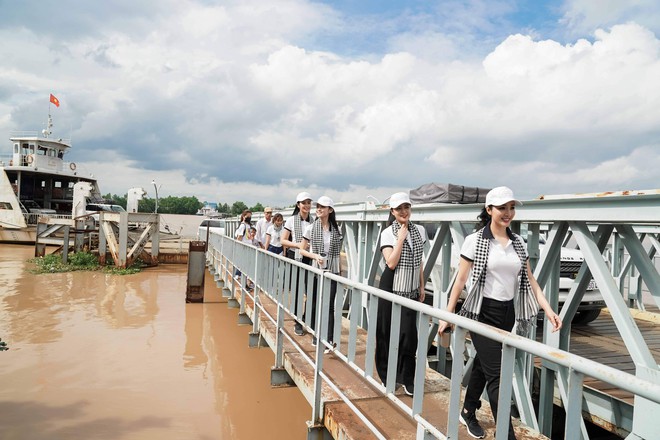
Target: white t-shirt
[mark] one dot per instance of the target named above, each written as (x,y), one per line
(387,238)
(327,235)
(243,231)
(288,225)
(502,270)
(262,228)
(275,236)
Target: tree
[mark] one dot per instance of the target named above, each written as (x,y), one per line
(224,208)
(116,200)
(238,207)
(171,205)
(257,208)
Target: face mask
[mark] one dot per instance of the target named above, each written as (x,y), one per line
(248,219)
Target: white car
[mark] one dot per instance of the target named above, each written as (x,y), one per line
(33,208)
(213,225)
(95,208)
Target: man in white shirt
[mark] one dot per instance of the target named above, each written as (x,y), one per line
(262,226)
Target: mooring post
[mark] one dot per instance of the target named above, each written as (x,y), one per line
(196,271)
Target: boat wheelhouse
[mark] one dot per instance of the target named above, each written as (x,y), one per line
(36,175)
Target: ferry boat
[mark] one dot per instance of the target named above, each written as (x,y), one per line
(36,180)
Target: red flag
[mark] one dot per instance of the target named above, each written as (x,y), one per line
(54,100)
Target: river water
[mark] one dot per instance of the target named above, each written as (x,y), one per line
(99,356)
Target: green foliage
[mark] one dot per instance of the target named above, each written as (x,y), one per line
(224,208)
(257,208)
(52,263)
(238,207)
(3,345)
(117,200)
(171,205)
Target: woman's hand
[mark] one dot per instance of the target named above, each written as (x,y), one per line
(403,232)
(555,320)
(442,326)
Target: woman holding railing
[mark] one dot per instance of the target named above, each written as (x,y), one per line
(502,291)
(402,245)
(291,238)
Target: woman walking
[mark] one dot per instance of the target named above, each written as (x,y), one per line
(502,292)
(322,244)
(291,238)
(402,245)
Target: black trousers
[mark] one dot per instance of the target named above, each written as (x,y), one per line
(405,366)
(292,273)
(488,361)
(331,317)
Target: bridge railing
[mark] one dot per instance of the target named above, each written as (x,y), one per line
(286,281)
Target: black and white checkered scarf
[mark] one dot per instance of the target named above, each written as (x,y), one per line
(524,301)
(406,274)
(316,243)
(297,227)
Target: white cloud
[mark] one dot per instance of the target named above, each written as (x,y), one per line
(225,102)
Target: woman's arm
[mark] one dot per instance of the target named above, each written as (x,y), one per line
(464,267)
(267,241)
(393,254)
(285,239)
(304,246)
(554,319)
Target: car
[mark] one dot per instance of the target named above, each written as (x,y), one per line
(33,207)
(95,208)
(213,225)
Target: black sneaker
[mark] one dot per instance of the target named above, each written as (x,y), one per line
(409,389)
(298,329)
(469,419)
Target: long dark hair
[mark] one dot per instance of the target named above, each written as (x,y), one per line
(296,211)
(390,219)
(244,213)
(332,218)
(483,218)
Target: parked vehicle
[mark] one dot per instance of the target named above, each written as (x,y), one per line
(213,225)
(33,208)
(95,208)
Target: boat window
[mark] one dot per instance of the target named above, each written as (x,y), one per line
(16,148)
(5,205)
(41,151)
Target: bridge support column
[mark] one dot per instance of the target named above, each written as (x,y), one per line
(255,340)
(232,303)
(280,378)
(317,431)
(244,319)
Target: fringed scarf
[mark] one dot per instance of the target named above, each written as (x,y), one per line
(525,304)
(297,233)
(406,274)
(316,243)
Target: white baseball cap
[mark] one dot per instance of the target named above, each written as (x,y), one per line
(398,199)
(303,196)
(500,196)
(325,201)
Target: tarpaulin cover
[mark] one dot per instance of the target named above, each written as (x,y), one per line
(448,193)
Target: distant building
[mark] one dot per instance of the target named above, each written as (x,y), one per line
(210,209)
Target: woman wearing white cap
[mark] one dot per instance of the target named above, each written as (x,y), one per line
(502,291)
(323,238)
(291,238)
(402,245)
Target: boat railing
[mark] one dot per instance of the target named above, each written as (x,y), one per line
(32,218)
(35,134)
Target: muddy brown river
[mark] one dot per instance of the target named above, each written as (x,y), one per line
(99,356)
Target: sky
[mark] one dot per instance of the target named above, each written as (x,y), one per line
(257,100)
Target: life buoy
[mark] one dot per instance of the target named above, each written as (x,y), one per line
(29,159)
(72,166)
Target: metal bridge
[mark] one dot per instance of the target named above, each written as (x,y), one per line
(618,237)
